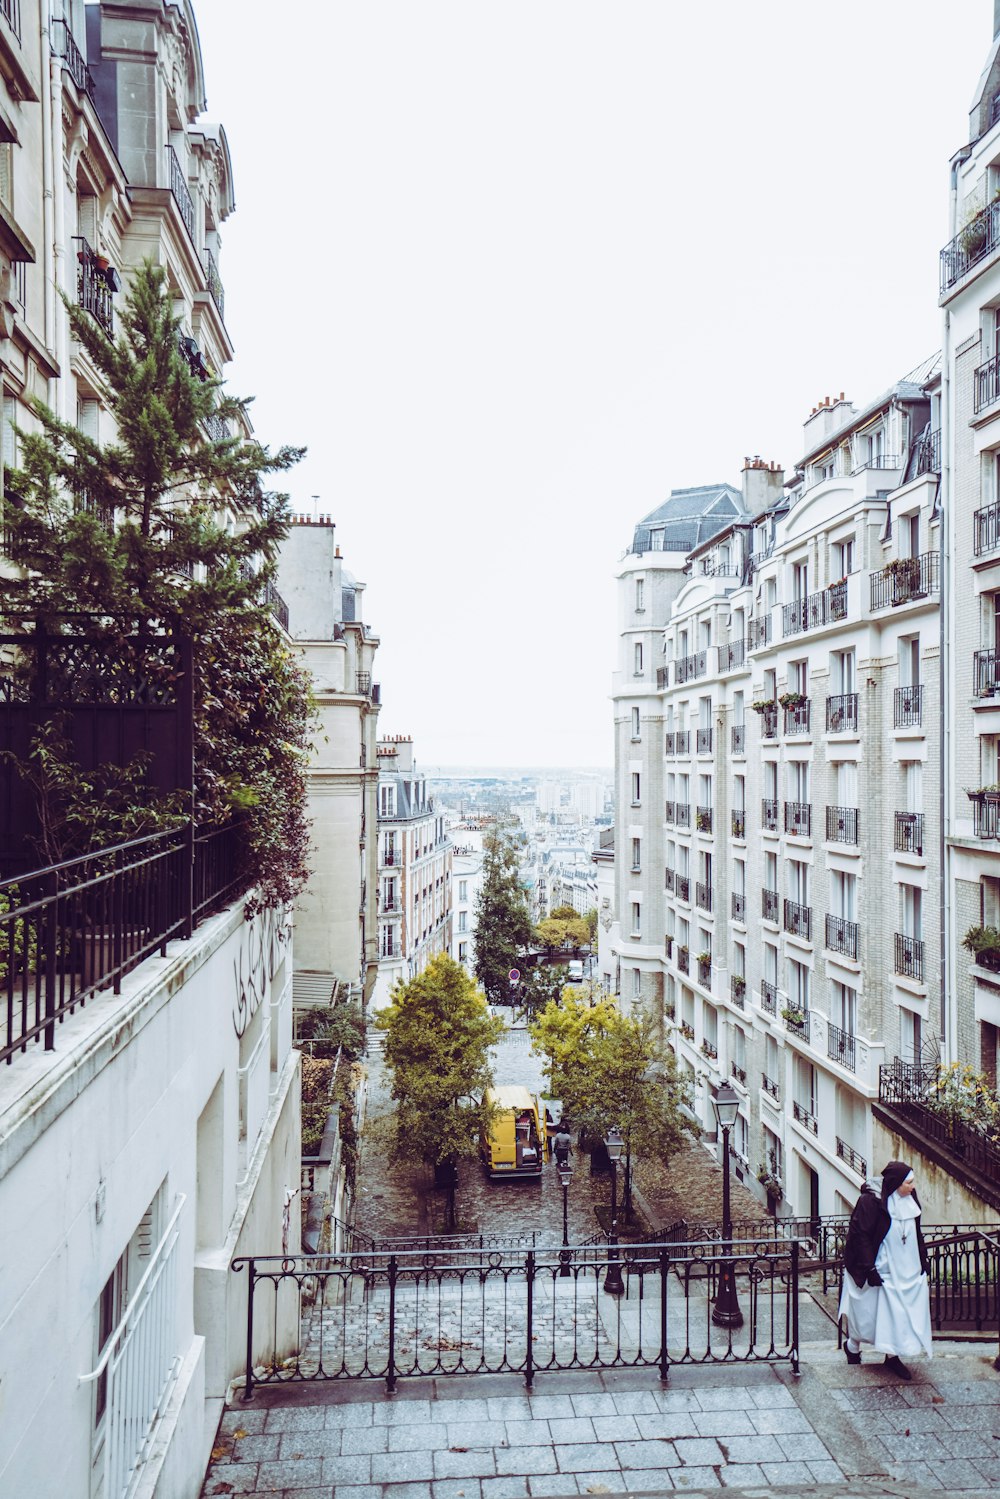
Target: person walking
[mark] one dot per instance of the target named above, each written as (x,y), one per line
(561,1144)
(885,1297)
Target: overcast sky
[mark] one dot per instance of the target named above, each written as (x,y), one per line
(514,271)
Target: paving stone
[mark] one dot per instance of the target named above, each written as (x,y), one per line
(725,1398)
(875,1398)
(455,1488)
(355,1468)
(595,1405)
(296,1444)
(957,1475)
(525,1460)
(605,1483)
(585,1457)
(826,1472)
(667,1425)
(242,1477)
(787,1475)
(696,1478)
(967,1444)
(254,1448)
(356,1491)
(918,1418)
(635,1403)
(676,1400)
(753,1450)
(461,1410)
(405,1413)
(404,1467)
(505,1488)
(323,1492)
(772,1396)
(418,1438)
(515,1408)
(989,1468)
(349,1415)
(645,1480)
(803,1446)
(302,1417)
(572,1429)
(364,1439)
(527,1433)
(407,1491)
(549,1406)
(967,1391)
(241,1420)
(916,1473)
(698,1451)
(736,1475)
(286,1475)
(614,1428)
(480,1464)
(920,1445)
(779,1422)
(552,1486)
(729,1423)
(649,1454)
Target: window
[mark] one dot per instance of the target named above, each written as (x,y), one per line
(843,678)
(798,986)
(463,890)
(387,801)
(636,855)
(117,1293)
(739,887)
(463,952)
(637,658)
(636,919)
(913,785)
(844,1008)
(9,435)
(910,1036)
(636,983)
(843,894)
(909,661)
(800,581)
(842,558)
(739,793)
(463,917)
(798,780)
(798,881)
(636,788)
(874,447)
(911,911)
(635,723)
(7,175)
(805,1085)
(640,590)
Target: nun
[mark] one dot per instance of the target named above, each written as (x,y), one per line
(885,1297)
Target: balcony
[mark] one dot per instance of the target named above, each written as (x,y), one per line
(986,532)
(738,990)
(841,824)
(389,858)
(907,1092)
(840,1047)
(770,1086)
(738,1073)
(739,905)
(703,896)
(682,742)
(804,1116)
(908,707)
(798,718)
(976,243)
(686,1028)
(739,823)
(668,744)
(986,674)
(842,936)
(769,905)
(95,285)
(769,814)
(905,579)
(909,957)
(181,192)
(684,964)
(816,609)
(669,880)
(705,972)
(738,738)
(851,1158)
(769,722)
(276,604)
(669,811)
(796,1022)
(769,998)
(928,453)
(684,889)
(703,741)
(732,656)
(909,832)
(682,814)
(986,813)
(214,281)
(986,384)
(758,632)
(662,678)
(64,47)
(688,668)
(710,1050)
(798,819)
(842,713)
(703,819)
(217,427)
(798,919)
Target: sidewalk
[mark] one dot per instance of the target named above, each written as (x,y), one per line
(753,1429)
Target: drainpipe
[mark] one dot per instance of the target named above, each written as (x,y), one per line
(947,1006)
(59,240)
(48,178)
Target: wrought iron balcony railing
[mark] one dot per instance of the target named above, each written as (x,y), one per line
(842,713)
(909,832)
(904,579)
(738,738)
(668,743)
(662,678)
(804,1116)
(840,1046)
(769,814)
(738,993)
(975,243)
(684,964)
(769,905)
(732,656)
(216,426)
(828,604)
(214,280)
(669,880)
(769,723)
(909,956)
(710,1049)
(798,719)
(688,668)
(703,895)
(94,288)
(682,814)
(986,384)
(703,819)
(64,46)
(798,819)
(669,811)
(986,813)
(908,707)
(769,998)
(739,1073)
(797,918)
(986,528)
(277,605)
(739,905)
(181,192)
(796,1022)
(842,936)
(769,1085)
(739,823)
(909,1090)
(850,1157)
(684,888)
(986,673)
(705,973)
(841,824)
(928,454)
(703,741)
(682,741)
(758,632)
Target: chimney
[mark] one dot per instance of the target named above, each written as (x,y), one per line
(763,484)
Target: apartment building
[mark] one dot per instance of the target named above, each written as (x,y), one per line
(414,870)
(467,879)
(790,930)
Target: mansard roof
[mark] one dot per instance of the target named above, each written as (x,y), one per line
(689,517)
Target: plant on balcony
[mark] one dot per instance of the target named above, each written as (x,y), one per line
(764,704)
(687,1029)
(904,570)
(973,236)
(983,942)
(189,548)
(705,957)
(963,1096)
(992,790)
(794,1017)
(739,984)
(792,699)
(670,1011)
(709,1049)
(683,948)
(769,1178)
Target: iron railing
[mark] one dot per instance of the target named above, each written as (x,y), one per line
(816,609)
(842,713)
(682,814)
(798,819)
(703,819)
(804,1116)
(986,528)
(402,1314)
(180,190)
(909,832)
(904,579)
(908,953)
(669,811)
(662,678)
(738,738)
(688,668)
(769,905)
(770,1086)
(710,1050)
(840,1046)
(908,707)
(739,823)
(682,741)
(798,720)
(668,744)
(739,1073)
(908,1089)
(768,997)
(986,813)
(703,741)
(703,896)
(986,383)
(64,47)
(214,280)
(758,632)
(851,1157)
(842,936)
(737,994)
(974,243)
(216,426)
(74,928)
(739,905)
(705,973)
(94,291)
(684,964)
(769,814)
(842,824)
(797,918)
(276,604)
(986,673)
(769,723)
(796,1022)
(732,656)
(669,880)
(684,887)
(928,453)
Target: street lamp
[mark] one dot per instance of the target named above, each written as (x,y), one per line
(565,1173)
(726,1311)
(613,1280)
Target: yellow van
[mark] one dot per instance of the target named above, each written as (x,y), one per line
(517,1144)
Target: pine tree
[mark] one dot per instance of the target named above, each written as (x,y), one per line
(168,529)
(503,923)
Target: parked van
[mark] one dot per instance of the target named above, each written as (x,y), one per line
(575,969)
(517,1145)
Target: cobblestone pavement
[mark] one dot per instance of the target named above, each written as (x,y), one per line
(752,1430)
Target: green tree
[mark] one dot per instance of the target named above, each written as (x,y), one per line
(438,1037)
(503,925)
(543,985)
(168,528)
(560,931)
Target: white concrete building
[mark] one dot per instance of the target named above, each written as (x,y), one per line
(466,880)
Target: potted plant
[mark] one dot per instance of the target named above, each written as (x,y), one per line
(983,942)
(792,699)
(794,1017)
(704,957)
(973,237)
(687,1030)
(703,822)
(739,984)
(767,1175)
(763,705)
(683,948)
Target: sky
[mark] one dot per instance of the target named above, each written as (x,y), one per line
(512,272)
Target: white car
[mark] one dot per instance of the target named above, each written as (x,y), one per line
(575,971)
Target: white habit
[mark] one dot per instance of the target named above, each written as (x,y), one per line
(896,1316)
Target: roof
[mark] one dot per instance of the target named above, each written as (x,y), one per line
(909,388)
(688,518)
(511,1096)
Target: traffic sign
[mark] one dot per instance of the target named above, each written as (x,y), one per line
(514,975)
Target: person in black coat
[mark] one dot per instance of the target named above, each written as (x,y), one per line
(885,1293)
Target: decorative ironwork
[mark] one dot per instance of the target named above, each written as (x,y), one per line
(737,993)
(277,605)
(986,384)
(738,738)
(732,656)
(973,244)
(668,744)
(909,832)
(686,1028)
(64,47)
(662,680)
(705,972)
(769,814)
(928,453)
(908,1089)
(805,1117)
(688,668)
(739,823)
(668,880)
(769,1085)
(703,896)
(739,905)
(682,741)
(739,1073)
(682,814)
(684,964)
(769,905)
(180,190)
(798,819)
(851,1158)
(842,713)
(710,1050)
(214,281)
(986,813)
(758,632)
(814,610)
(669,811)
(703,819)
(908,707)
(840,1046)
(986,673)
(769,722)
(94,286)
(909,956)
(769,998)
(905,579)
(842,936)
(842,824)
(217,427)
(987,528)
(798,919)
(798,720)
(684,888)
(703,741)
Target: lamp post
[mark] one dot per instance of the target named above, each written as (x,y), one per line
(726,1311)
(565,1172)
(613,1280)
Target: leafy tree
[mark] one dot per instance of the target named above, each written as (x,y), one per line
(169,529)
(438,1038)
(543,985)
(340,1029)
(556,931)
(563,913)
(503,925)
(591,919)
(611,1070)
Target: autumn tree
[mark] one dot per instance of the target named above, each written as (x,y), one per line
(438,1035)
(503,923)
